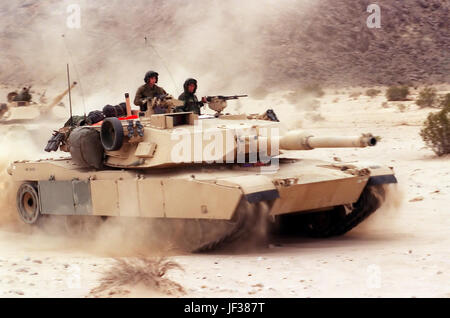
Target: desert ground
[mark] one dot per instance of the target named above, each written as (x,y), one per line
(400,251)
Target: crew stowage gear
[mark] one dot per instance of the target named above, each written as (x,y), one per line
(115,111)
(148,90)
(191,103)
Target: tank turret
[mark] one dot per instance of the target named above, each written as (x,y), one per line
(163,140)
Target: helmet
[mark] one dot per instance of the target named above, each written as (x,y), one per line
(149,75)
(188,82)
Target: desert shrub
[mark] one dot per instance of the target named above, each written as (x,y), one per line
(397,93)
(373,92)
(427,97)
(150,272)
(436,131)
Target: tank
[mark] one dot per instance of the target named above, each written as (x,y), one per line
(22,118)
(203,181)
(20,108)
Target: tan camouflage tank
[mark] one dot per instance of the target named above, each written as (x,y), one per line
(21,117)
(20,109)
(204,180)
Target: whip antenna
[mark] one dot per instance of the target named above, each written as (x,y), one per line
(70,95)
(163,63)
(76,71)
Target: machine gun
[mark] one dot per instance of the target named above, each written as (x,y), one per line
(220,97)
(160,104)
(57,138)
(219,103)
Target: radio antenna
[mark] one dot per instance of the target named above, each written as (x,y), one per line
(70,95)
(76,70)
(162,61)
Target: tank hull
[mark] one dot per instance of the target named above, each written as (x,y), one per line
(32,114)
(211,192)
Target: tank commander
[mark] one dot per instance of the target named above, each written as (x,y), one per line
(148,90)
(24,95)
(191,103)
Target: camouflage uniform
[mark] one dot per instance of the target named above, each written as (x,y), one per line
(191,103)
(146,91)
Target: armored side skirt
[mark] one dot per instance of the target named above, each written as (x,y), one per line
(185,199)
(138,198)
(66,190)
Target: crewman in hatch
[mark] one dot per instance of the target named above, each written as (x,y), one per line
(191,103)
(148,90)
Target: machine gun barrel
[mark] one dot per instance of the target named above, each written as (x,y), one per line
(299,140)
(210,98)
(55,141)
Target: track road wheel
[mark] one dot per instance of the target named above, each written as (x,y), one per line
(28,204)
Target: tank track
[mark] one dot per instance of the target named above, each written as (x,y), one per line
(250,225)
(339,222)
(188,235)
(334,222)
(201,235)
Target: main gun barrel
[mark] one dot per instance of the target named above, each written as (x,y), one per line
(299,140)
(59,98)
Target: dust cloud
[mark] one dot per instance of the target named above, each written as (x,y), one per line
(111,238)
(15,144)
(388,217)
(222,44)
